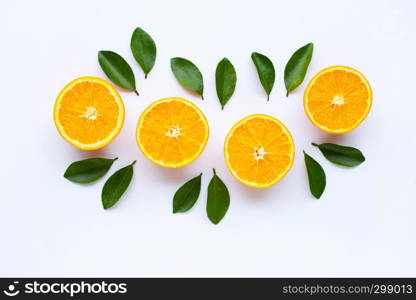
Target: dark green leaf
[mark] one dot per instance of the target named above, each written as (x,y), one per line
(225,80)
(297,66)
(188,75)
(316,176)
(341,155)
(218,199)
(88,170)
(144,49)
(186,196)
(265,70)
(116,185)
(117,70)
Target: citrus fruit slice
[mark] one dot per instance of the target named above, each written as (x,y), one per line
(338,99)
(89,113)
(172,132)
(259,151)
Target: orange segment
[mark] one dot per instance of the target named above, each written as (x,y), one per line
(172,132)
(259,151)
(89,113)
(338,99)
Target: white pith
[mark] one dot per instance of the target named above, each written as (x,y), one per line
(338,100)
(259,153)
(90,113)
(174,131)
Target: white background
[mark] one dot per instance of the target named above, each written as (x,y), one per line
(364,223)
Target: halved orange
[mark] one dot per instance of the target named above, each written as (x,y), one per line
(89,113)
(172,132)
(338,99)
(259,151)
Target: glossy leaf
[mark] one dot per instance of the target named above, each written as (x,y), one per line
(297,66)
(188,75)
(117,70)
(225,81)
(88,170)
(218,199)
(116,185)
(316,176)
(341,155)
(144,49)
(265,70)
(186,196)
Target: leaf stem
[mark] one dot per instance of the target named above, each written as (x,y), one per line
(132,164)
(202,96)
(316,145)
(215,173)
(137,93)
(268,97)
(115,159)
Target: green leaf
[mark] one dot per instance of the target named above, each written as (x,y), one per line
(297,66)
(341,155)
(186,196)
(88,170)
(117,70)
(116,185)
(265,70)
(225,80)
(188,75)
(144,50)
(316,176)
(218,199)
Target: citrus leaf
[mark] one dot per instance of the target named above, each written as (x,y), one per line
(316,176)
(218,199)
(117,70)
(188,75)
(88,170)
(341,155)
(186,196)
(297,66)
(116,185)
(225,80)
(265,70)
(144,50)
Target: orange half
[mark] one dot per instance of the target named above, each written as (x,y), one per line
(259,151)
(172,132)
(89,113)
(338,99)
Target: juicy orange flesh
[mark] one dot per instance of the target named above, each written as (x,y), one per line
(88,112)
(246,143)
(338,99)
(172,132)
